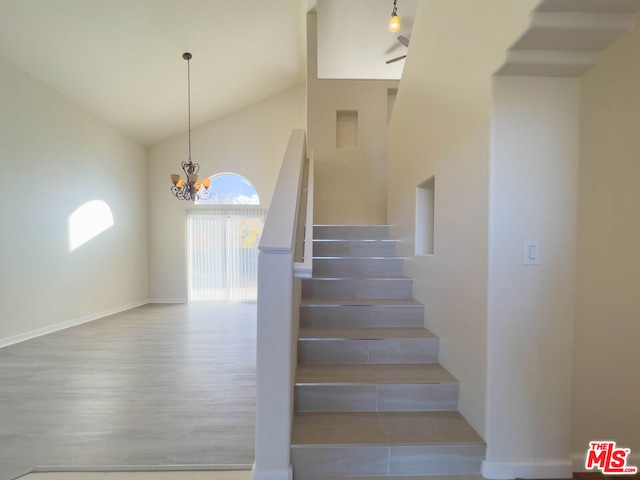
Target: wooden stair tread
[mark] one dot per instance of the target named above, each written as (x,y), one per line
(382,428)
(377,374)
(363,333)
(360,302)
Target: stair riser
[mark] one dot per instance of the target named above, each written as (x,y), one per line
(384,288)
(324,461)
(351,232)
(372,398)
(357,267)
(315,316)
(422,350)
(354,249)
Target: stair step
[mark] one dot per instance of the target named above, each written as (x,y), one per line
(357,287)
(351,232)
(357,267)
(374,387)
(384,443)
(367,345)
(375,374)
(354,248)
(361,312)
(364,333)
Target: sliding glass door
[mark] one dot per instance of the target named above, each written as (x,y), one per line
(222,249)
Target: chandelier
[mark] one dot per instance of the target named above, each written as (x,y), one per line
(189,188)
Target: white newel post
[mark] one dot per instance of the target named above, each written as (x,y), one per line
(273,405)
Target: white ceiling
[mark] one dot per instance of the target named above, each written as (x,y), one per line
(122,59)
(354,41)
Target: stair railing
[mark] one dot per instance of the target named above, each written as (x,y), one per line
(284,257)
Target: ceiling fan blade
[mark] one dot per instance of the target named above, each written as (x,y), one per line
(403,40)
(395,59)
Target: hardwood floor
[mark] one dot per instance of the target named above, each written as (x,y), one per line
(156,385)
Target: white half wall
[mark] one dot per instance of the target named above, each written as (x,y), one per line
(250,142)
(55,157)
(441,126)
(606,389)
(533,195)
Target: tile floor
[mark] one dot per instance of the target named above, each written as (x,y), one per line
(215,475)
(221,475)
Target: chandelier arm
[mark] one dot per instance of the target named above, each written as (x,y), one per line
(204,194)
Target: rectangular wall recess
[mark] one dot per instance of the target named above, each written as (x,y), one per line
(425,217)
(347,129)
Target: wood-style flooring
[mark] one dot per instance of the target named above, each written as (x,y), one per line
(157,385)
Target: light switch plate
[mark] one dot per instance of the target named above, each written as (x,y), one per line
(531,252)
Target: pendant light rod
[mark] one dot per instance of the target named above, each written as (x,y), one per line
(187,56)
(190,188)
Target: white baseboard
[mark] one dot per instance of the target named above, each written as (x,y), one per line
(540,469)
(5,342)
(578,459)
(272,474)
(167,300)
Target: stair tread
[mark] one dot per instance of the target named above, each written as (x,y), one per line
(364,333)
(378,374)
(362,277)
(360,302)
(357,257)
(382,428)
(356,240)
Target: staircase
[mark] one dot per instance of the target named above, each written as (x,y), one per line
(370,397)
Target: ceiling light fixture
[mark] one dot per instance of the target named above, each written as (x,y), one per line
(190,189)
(394,23)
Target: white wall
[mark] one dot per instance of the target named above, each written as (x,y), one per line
(441,127)
(606,397)
(55,157)
(350,183)
(250,142)
(533,192)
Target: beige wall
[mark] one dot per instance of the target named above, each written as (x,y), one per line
(350,183)
(441,127)
(250,142)
(606,398)
(533,196)
(54,158)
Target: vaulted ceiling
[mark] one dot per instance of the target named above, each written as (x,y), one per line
(122,59)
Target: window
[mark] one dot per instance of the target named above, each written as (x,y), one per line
(231,189)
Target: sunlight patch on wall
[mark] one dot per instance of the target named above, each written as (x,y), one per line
(87,222)
(231,189)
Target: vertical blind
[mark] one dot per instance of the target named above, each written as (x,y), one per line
(223,253)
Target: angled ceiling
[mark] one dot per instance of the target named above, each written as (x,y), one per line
(122,59)
(354,41)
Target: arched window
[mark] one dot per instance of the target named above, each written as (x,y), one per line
(231,189)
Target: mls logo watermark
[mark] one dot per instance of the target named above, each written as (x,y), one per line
(608,459)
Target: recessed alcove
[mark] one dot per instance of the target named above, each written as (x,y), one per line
(425,217)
